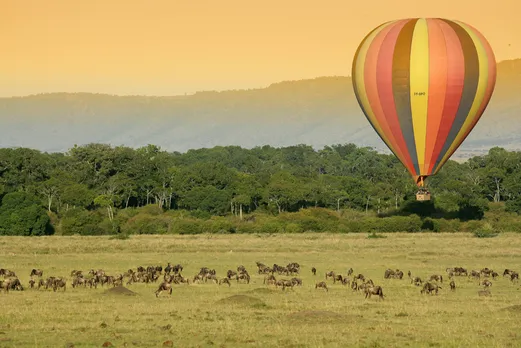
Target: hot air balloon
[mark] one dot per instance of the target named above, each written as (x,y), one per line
(423,84)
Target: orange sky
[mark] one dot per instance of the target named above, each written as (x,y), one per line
(167,47)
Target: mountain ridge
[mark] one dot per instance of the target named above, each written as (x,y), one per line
(318,112)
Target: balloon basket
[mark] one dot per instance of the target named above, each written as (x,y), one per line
(423,195)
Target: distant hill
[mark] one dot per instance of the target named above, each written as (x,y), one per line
(317,112)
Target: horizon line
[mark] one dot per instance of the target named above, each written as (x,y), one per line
(196,92)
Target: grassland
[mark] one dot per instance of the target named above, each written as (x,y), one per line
(251,315)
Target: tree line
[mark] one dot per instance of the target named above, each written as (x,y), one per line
(98,188)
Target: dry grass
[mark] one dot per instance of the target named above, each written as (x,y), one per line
(208,315)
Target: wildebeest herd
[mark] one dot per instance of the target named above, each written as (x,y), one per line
(282,277)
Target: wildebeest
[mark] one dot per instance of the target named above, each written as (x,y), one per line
(389,273)
(296,281)
(321,285)
(58,284)
(36,272)
(11,284)
(244,277)
(514,276)
(486,271)
(230,274)
(270,279)
(164,286)
(475,274)
(452,285)
(416,281)
(349,272)
(429,288)
(374,290)
(7,273)
(314,271)
(458,271)
(225,281)
(486,283)
(360,276)
(436,277)
(330,274)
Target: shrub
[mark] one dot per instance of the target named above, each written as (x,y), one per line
(146,224)
(219,224)
(486,231)
(293,228)
(429,224)
(445,225)
(186,226)
(82,222)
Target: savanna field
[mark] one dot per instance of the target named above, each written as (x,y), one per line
(257,315)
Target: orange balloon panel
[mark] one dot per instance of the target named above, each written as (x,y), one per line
(423,84)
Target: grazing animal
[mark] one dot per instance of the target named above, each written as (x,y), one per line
(58,284)
(486,283)
(284,283)
(475,274)
(314,271)
(374,290)
(452,285)
(349,272)
(417,281)
(409,274)
(430,288)
(244,277)
(338,278)
(321,285)
(360,276)
(36,272)
(164,286)
(436,277)
(296,281)
(270,279)
(330,274)
(514,276)
(225,281)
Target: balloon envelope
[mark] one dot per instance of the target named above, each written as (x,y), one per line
(423,84)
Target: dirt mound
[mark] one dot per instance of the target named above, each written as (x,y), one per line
(514,308)
(242,300)
(316,316)
(120,290)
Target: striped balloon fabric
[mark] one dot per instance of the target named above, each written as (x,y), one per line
(423,84)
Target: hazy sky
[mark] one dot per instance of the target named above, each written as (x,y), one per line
(167,47)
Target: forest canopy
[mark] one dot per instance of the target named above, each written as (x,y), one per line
(99,189)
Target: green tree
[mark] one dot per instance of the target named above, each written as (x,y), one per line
(22,215)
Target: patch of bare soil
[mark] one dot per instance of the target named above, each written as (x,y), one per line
(119,290)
